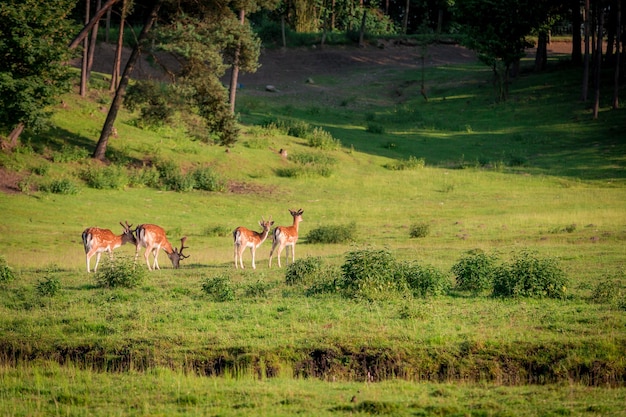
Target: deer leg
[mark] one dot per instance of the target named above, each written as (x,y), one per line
(293,253)
(156,258)
(252,251)
(95,268)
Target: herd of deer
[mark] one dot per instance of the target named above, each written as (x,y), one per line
(153,238)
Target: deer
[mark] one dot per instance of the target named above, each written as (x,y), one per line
(246,238)
(97,240)
(286,236)
(152,237)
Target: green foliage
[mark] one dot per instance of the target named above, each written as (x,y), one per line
(121,272)
(321,139)
(332,234)
(154,101)
(609,290)
(369,274)
(303,271)
(105,177)
(475,271)
(406,164)
(527,275)
(59,186)
(219,288)
(423,281)
(375,128)
(144,177)
(48,286)
(208,180)
(257,289)
(418,230)
(33,70)
(218,231)
(6,272)
(69,153)
(309,164)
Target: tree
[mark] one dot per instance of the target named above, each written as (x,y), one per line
(497,30)
(33,73)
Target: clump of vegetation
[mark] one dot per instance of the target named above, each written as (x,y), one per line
(146,176)
(610,290)
(120,272)
(308,164)
(257,289)
(6,272)
(317,137)
(321,139)
(48,286)
(406,164)
(59,186)
(423,281)
(218,231)
(208,180)
(332,234)
(303,271)
(69,153)
(475,271)
(370,274)
(219,288)
(530,276)
(105,177)
(375,128)
(419,230)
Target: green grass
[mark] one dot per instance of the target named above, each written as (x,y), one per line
(535,173)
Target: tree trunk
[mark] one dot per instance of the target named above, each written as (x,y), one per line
(92,44)
(108,26)
(541,56)
(598,64)
(11,140)
(618,57)
(235,70)
(84,63)
(405,21)
(586,23)
(101,147)
(362,30)
(117,63)
(95,19)
(577,57)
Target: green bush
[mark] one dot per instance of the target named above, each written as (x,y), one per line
(59,186)
(332,234)
(121,272)
(105,177)
(530,276)
(206,179)
(419,230)
(69,153)
(6,272)
(326,281)
(48,286)
(257,289)
(609,290)
(144,177)
(375,128)
(321,139)
(303,271)
(219,288)
(475,271)
(370,274)
(423,281)
(406,164)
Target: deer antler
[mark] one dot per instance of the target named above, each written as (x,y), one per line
(127,226)
(182,246)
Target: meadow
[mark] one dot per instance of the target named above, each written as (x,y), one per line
(532,175)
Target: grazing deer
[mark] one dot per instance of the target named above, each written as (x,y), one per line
(152,237)
(246,238)
(96,241)
(286,236)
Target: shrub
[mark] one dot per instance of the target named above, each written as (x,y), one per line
(369,274)
(332,234)
(120,272)
(407,164)
(375,128)
(219,288)
(206,179)
(423,281)
(419,230)
(6,272)
(608,291)
(70,153)
(48,286)
(475,271)
(326,281)
(144,176)
(59,186)
(321,139)
(107,177)
(530,276)
(257,289)
(303,271)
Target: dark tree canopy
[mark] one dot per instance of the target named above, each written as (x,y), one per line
(33,72)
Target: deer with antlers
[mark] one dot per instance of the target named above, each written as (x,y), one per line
(285,237)
(97,240)
(246,238)
(152,237)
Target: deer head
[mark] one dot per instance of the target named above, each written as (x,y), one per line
(177,255)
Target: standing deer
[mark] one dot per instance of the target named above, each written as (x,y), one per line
(246,238)
(96,241)
(152,237)
(286,236)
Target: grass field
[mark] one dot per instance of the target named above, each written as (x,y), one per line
(532,174)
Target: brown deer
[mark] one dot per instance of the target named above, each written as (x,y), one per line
(286,236)
(246,238)
(97,240)
(152,237)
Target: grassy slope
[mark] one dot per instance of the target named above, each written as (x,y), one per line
(572,174)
